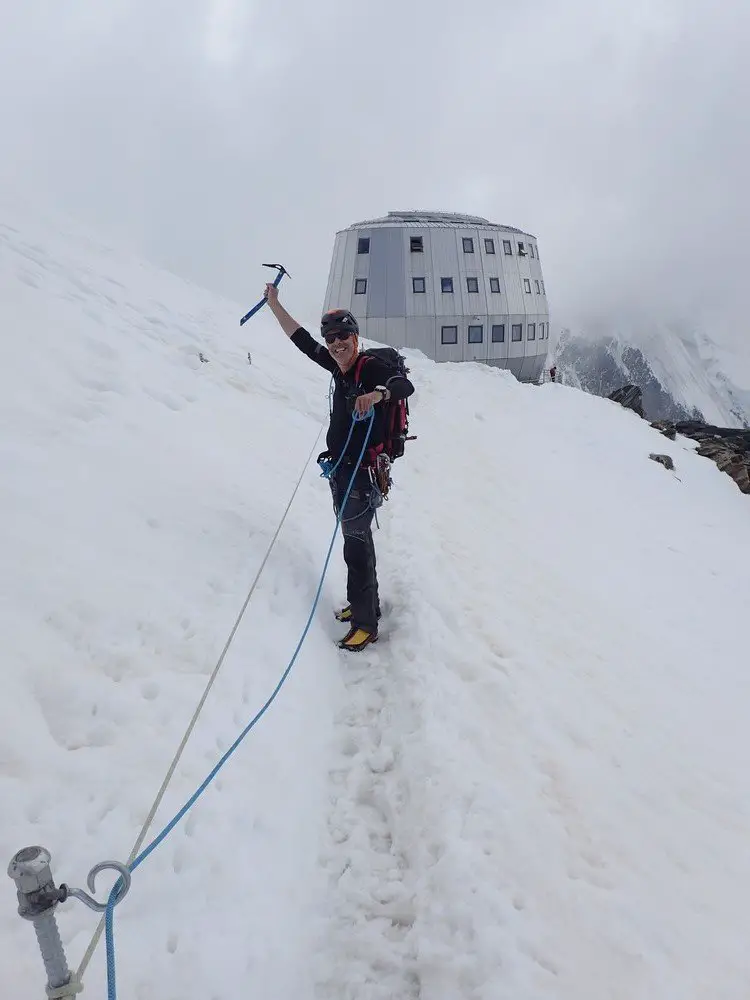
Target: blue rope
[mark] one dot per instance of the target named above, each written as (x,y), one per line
(327,466)
(114,894)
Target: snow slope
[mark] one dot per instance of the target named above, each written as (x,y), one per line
(535,787)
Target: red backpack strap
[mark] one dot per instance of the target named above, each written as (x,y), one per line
(361,362)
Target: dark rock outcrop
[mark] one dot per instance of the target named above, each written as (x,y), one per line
(664,460)
(629,396)
(666,427)
(728,447)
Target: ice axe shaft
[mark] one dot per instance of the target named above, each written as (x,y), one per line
(259,305)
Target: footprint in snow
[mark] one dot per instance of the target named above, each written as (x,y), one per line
(28,279)
(172,402)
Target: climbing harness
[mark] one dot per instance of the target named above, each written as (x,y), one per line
(30,868)
(381,473)
(328,467)
(276,281)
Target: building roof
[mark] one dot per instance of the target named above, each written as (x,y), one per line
(417,219)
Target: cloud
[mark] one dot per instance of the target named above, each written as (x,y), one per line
(212,136)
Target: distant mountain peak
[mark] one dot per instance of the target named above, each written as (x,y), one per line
(678,373)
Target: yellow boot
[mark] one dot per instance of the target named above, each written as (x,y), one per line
(357,638)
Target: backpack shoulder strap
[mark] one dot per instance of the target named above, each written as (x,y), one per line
(361,362)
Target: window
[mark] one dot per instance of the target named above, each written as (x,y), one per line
(448,334)
(446,285)
(495,285)
(516,332)
(543,291)
(498,333)
(468,244)
(531,331)
(531,249)
(417,285)
(489,246)
(416,245)
(507,248)
(476,334)
(521,250)
(541,331)
(360,286)
(363,244)
(472,284)
(527,286)
(536,282)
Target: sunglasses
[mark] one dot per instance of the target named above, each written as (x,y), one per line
(331,338)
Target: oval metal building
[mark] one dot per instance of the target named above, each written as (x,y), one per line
(456,287)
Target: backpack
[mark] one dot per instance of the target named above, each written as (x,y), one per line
(396,410)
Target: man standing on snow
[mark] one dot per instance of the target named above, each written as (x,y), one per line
(376,384)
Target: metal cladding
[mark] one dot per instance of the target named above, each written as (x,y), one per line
(456,287)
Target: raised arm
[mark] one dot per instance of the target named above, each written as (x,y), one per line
(297,334)
(286,322)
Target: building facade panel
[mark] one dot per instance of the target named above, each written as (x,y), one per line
(395,299)
(361,259)
(348,260)
(333,292)
(373,303)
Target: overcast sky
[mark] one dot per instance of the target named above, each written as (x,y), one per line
(214,135)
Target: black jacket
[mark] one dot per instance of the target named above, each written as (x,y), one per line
(373,373)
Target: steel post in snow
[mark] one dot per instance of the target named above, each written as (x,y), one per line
(37,898)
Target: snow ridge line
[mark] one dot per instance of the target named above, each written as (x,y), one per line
(89,953)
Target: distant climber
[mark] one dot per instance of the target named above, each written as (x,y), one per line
(361,381)
(553,373)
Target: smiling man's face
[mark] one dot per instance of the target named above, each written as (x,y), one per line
(343,351)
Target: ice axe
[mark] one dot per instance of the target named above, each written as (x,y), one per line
(259,305)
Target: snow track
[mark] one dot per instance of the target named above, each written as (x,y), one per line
(369,952)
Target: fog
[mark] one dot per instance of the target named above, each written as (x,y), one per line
(213,136)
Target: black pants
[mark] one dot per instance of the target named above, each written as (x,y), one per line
(359,548)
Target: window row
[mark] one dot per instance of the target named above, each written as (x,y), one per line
(475,335)
(419,286)
(416,245)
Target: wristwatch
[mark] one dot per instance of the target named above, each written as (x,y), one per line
(386,392)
